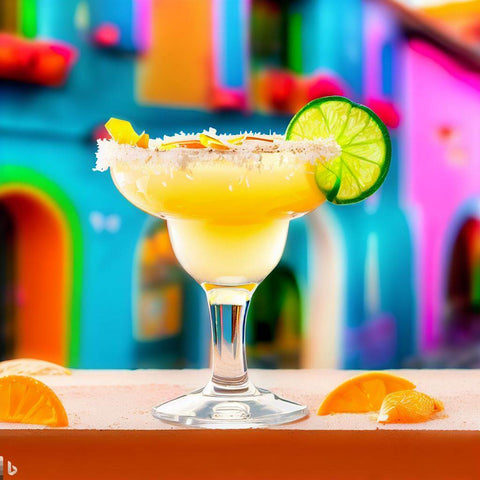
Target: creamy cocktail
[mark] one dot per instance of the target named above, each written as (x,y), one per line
(227,211)
(228,201)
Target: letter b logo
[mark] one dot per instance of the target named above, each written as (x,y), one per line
(12,469)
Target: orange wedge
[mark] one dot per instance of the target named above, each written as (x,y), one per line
(27,400)
(408,406)
(30,366)
(363,393)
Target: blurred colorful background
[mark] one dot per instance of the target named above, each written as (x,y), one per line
(89,281)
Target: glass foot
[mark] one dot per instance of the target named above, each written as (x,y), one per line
(253,409)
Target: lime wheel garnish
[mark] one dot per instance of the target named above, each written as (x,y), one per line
(363,164)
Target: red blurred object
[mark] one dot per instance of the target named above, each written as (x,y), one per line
(445,132)
(280,90)
(386,110)
(324,86)
(228,99)
(39,62)
(100,133)
(106,35)
(471,33)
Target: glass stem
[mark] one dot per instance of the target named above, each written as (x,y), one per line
(228,313)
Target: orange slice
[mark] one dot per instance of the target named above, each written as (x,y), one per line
(408,406)
(363,393)
(30,366)
(27,400)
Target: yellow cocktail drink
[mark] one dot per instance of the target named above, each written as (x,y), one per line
(228,201)
(227,211)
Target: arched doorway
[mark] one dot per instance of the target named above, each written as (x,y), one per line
(40,269)
(462,317)
(39,276)
(7,297)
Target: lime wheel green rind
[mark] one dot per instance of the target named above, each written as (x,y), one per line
(361,168)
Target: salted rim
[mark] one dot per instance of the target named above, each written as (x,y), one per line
(249,154)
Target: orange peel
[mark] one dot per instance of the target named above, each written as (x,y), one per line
(261,139)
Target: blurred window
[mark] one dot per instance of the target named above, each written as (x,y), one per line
(463,286)
(19,16)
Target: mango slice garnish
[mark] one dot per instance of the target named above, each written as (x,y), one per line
(212,142)
(122,132)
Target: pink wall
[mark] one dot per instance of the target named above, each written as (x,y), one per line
(442,165)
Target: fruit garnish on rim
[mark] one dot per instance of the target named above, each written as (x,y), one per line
(210,141)
(122,132)
(365,145)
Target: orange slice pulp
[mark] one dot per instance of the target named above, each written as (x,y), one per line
(408,406)
(31,366)
(27,400)
(363,393)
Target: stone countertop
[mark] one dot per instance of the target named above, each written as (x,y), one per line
(110,421)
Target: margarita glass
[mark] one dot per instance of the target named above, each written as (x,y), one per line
(227,214)
(228,201)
